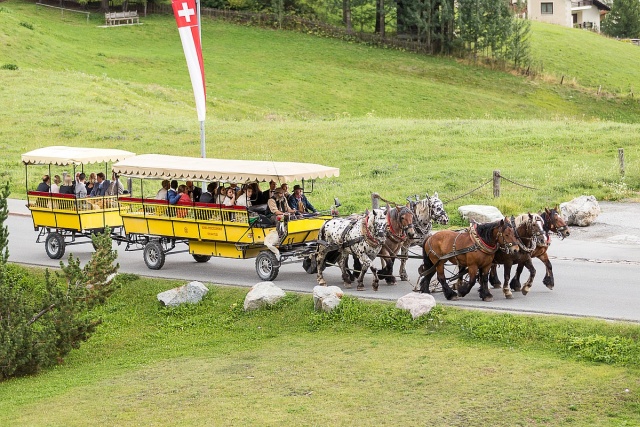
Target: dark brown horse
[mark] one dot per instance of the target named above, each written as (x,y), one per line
(472,249)
(529,232)
(553,223)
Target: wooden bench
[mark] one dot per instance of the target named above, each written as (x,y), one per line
(122,18)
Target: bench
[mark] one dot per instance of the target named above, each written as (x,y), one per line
(122,18)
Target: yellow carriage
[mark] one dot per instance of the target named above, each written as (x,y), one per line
(214,230)
(61,219)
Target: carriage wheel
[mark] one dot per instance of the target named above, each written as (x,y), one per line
(153,255)
(54,245)
(201,258)
(267,266)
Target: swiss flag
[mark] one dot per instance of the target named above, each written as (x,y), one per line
(188,26)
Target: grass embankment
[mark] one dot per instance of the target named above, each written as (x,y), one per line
(395,123)
(366,364)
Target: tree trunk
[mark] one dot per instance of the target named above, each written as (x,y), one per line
(380,18)
(104,5)
(346,15)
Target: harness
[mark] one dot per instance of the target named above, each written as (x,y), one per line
(533,243)
(391,233)
(481,244)
(368,237)
(550,226)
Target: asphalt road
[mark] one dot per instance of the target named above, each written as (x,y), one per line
(596,269)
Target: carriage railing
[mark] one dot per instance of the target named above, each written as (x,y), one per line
(199,212)
(67,203)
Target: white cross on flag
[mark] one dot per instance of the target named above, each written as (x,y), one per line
(187,19)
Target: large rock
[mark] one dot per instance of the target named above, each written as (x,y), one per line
(480,213)
(417,304)
(261,295)
(326,298)
(190,293)
(581,211)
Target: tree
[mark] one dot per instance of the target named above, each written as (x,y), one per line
(623,20)
(518,48)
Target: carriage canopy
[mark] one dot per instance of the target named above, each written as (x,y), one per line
(239,171)
(61,156)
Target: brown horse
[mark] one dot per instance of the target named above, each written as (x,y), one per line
(553,223)
(529,232)
(472,249)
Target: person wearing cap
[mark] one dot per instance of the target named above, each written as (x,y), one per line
(299,202)
(278,205)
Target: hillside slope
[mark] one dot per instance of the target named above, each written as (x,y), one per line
(256,73)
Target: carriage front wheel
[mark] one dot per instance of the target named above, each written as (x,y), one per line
(267,266)
(201,258)
(54,245)
(153,255)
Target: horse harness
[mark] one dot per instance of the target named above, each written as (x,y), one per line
(550,227)
(533,239)
(391,233)
(365,233)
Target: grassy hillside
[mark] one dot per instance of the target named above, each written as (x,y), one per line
(367,364)
(395,123)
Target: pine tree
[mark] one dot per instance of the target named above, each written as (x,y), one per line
(623,20)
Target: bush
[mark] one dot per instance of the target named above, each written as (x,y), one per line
(12,67)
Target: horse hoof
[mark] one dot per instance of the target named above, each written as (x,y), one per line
(404,278)
(550,287)
(487,299)
(347,285)
(391,283)
(322,283)
(508,296)
(525,291)
(360,288)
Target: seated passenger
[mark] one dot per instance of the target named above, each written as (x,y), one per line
(115,187)
(162,193)
(172,194)
(55,187)
(278,205)
(44,185)
(91,182)
(244,196)
(209,195)
(67,185)
(80,190)
(100,187)
(230,197)
(268,194)
(299,202)
(193,191)
(183,198)
(285,188)
(222,193)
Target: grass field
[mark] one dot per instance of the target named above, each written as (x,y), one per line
(213,364)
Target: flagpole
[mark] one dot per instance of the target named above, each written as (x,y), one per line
(203,152)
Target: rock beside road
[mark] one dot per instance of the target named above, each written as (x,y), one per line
(581,211)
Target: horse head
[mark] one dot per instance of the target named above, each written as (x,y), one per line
(554,222)
(437,211)
(377,224)
(505,236)
(403,218)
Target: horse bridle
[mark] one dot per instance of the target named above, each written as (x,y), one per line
(504,246)
(403,236)
(550,225)
(530,229)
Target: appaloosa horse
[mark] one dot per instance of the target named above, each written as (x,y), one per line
(426,212)
(553,223)
(530,233)
(472,249)
(360,236)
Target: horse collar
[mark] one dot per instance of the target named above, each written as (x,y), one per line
(371,240)
(401,237)
(482,245)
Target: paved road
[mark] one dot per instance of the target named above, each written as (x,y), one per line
(596,269)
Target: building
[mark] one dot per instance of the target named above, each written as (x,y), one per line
(579,14)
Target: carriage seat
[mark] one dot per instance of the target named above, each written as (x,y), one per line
(262,209)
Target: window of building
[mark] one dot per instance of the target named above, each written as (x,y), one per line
(547,8)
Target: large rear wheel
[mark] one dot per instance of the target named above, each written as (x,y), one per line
(267,266)
(154,255)
(54,245)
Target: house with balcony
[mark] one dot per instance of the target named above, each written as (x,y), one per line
(579,14)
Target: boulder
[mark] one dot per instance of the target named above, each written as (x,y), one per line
(326,297)
(261,295)
(416,304)
(581,211)
(190,293)
(480,213)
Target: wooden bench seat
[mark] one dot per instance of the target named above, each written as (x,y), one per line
(122,18)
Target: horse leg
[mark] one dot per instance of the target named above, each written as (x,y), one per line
(404,252)
(357,268)
(363,270)
(449,293)
(548,278)
(493,276)
(515,282)
(426,279)
(376,279)
(485,294)
(320,260)
(532,274)
(346,277)
(461,272)
(507,272)
(387,271)
(464,289)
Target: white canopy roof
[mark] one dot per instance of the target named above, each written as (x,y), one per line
(238,171)
(61,155)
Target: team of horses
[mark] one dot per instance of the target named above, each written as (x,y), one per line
(388,234)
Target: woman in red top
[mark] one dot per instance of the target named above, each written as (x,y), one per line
(184,198)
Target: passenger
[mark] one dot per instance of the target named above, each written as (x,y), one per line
(91,183)
(44,185)
(299,202)
(162,193)
(236,189)
(184,198)
(278,205)
(244,196)
(55,187)
(100,187)
(80,188)
(172,194)
(285,188)
(222,193)
(230,197)
(193,191)
(267,195)
(255,193)
(115,187)
(208,196)
(67,184)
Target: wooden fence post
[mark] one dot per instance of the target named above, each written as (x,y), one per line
(496,183)
(621,160)
(375,201)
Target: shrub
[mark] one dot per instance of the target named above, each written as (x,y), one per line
(12,67)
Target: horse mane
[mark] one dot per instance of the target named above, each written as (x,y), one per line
(484,230)
(525,217)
